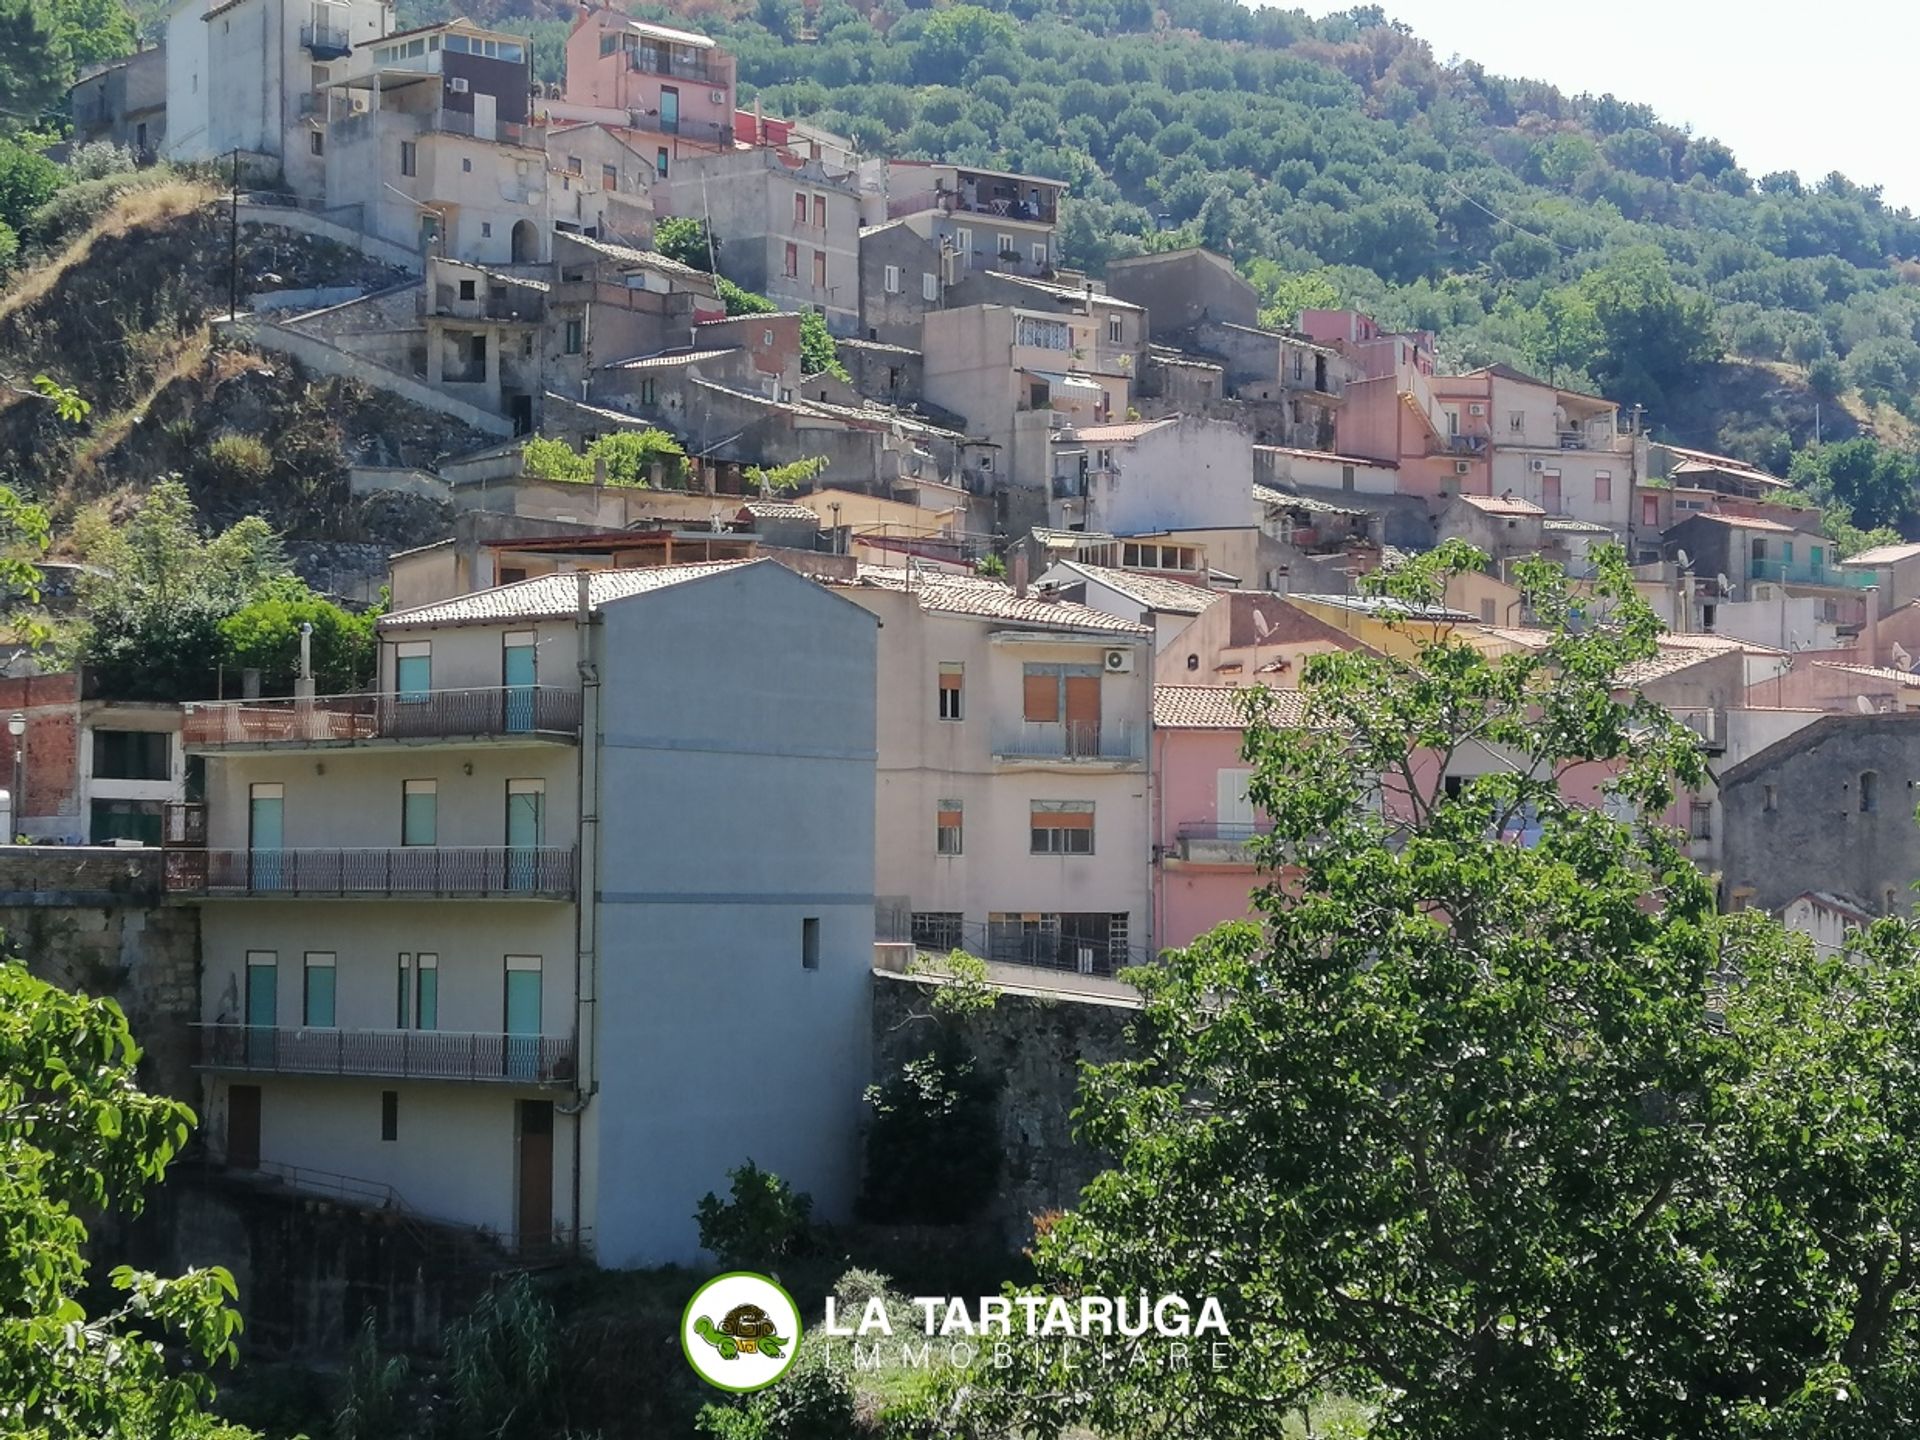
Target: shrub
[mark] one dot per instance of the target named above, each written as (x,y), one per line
(631,455)
(554,460)
(933,1149)
(503,1363)
(265,636)
(373,1406)
(237,458)
(79,205)
(98,159)
(813,1401)
(766,1220)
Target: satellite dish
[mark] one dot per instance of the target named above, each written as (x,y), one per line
(1685,560)
(1726,585)
(1864,705)
(1261,625)
(1901,659)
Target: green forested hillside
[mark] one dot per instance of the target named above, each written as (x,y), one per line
(1337,160)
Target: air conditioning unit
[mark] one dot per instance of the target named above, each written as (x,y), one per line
(1539,465)
(1119,662)
(1461,467)
(457,84)
(718,97)
(1476,410)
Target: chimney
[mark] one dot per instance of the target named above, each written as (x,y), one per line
(1685,617)
(1020,573)
(1870,631)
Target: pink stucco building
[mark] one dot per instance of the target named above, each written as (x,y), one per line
(674,88)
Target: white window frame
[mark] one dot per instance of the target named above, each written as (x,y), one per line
(891,283)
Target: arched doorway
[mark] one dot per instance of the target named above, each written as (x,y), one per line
(526,243)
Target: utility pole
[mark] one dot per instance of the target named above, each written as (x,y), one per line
(233,246)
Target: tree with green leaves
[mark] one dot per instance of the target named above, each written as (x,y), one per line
(1497,1138)
(80,1136)
(34,66)
(1873,483)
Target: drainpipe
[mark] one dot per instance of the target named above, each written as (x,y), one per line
(1870,632)
(586,909)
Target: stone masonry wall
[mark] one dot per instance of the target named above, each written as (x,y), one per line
(93,921)
(1034,1045)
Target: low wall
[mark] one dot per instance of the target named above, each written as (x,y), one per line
(306,222)
(386,480)
(1033,1044)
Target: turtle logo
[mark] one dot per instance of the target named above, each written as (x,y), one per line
(740,1331)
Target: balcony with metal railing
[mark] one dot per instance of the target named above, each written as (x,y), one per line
(412,872)
(653,60)
(326,41)
(498,713)
(1211,843)
(1796,572)
(532,1060)
(1112,742)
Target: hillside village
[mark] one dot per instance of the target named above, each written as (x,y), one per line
(937,637)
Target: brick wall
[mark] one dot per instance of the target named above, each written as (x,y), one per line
(51,704)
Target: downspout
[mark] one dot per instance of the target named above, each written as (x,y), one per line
(586,908)
(1154,870)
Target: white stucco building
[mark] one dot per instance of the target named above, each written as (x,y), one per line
(1011,806)
(565,921)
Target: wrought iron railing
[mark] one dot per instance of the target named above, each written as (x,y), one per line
(413,871)
(497,710)
(324,40)
(389,1054)
(1203,842)
(1068,740)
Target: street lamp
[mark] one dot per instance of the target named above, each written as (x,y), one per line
(17,727)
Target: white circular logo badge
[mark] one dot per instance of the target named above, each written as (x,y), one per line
(740,1331)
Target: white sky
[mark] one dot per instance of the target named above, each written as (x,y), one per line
(1807,87)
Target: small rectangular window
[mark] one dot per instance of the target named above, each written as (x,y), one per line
(1772,798)
(820,211)
(791,265)
(575,337)
(810,943)
(660,162)
(952,692)
(1005,245)
(1603,487)
(409,158)
(413,670)
(947,837)
(892,282)
(799,209)
(1700,820)
(820,269)
(426,1010)
(1113,329)
(419,812)
(573,165)
(929,285)
(389,1114)
(649,392)
(316,142)
(1061,827)
(609,177)
(1869,792)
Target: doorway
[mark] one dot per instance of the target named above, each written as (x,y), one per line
(533,1207)
(526,242)
(243,1127)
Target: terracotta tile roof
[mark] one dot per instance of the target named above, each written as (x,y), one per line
(1173,596)
(1577,527)
(1382,605)
(1883,555)
(1744,522)
(1221,707)
(779,510)
(670,358)
(1659,667)
(550,597)
(1827,900)
(1719,644)
(1118,434)
(1502,505)
(1327,455)
(1871,672)
(981,598)
(1267,495)
(627,254)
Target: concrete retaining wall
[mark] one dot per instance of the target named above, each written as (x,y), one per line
(287,217)
(328,359)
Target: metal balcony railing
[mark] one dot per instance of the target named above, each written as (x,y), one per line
(535,711)
(1208,842)
(543,872)
(388,1054)
(1789,572)
(1068,740)
(327,42)
(657,62)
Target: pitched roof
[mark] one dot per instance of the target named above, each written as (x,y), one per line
(977,597)
(1382,605)
(779,510)
(1502,505)
(1067,292)
(1741,522)
(1884,555)
(1120,433)
(1327,455)
(1658,667)
(1870,672)
(627,254)
(669,358)
(1267,495)
(1174,596)
(551,597)
(1838,904)
(1222,707)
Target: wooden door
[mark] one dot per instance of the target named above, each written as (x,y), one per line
(535,1181)
(243,1127)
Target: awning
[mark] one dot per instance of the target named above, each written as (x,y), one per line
(1070,382)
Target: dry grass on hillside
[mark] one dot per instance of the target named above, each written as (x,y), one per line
(146,205)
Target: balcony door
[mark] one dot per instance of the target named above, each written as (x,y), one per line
(522,1001)
(262,1006)
(519,666)
(243,1127)
(669,110)
(266,834)
(1083,714)
(1550,492)
(526,822)
(533,1122)
(1233,806)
